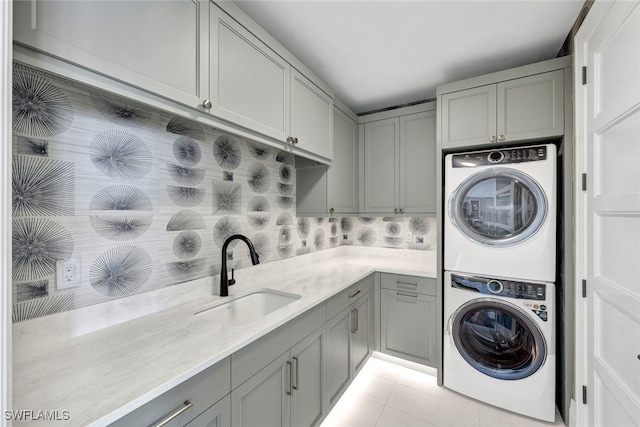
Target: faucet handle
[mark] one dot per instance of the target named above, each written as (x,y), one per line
(232,281)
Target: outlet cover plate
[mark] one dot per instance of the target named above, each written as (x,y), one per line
(68,273)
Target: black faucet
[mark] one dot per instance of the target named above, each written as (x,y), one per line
(224,281)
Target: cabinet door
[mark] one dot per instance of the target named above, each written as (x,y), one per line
(342,180)
(531,107)
(338,355)
(362,331)
(381,164)
(408,326)
(249,82)
(418,162)
(219,415)
(311,116)
(469,117)
(308,404)
(264,400)
(161,47)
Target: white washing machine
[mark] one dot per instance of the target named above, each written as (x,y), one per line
(499,342)
(500,217)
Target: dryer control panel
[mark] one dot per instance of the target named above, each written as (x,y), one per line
(500,287)
(493,157)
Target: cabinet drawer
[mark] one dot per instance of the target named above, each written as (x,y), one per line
(399,282)
(202,390)
(341,301)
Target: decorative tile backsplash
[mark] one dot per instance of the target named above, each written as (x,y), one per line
(144,199)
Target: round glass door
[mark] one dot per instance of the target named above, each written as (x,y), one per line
(498,339)
(498,207)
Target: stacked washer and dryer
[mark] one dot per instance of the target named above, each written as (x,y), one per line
(500,266)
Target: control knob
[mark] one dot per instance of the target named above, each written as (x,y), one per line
(494,286)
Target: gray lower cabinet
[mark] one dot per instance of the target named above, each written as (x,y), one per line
(349,335)
(219,415)
(287,392)
(264,400)
(408,318)
(200,401)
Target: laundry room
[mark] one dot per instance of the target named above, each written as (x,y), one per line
(320,213)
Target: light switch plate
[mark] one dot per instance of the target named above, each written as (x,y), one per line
(68,273)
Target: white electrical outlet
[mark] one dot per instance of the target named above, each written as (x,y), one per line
(408,237)
(68,273)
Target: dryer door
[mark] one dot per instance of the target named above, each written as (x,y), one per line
(498,339)
(498,207)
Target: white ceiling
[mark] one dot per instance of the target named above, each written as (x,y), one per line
(379,54)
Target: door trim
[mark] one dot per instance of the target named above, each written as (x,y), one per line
(6,13)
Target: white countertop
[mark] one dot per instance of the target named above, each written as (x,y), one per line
(104,361)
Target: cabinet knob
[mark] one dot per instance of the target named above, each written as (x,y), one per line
(295,141)
(290,140)
(492,138)
(401,210)
(332,210)
(501,138)
(396,210)
(207,104)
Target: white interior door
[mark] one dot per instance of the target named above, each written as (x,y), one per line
(608,215)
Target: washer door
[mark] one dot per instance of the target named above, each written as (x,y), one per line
(498,339)
(498,207)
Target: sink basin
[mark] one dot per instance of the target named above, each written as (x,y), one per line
(246,308)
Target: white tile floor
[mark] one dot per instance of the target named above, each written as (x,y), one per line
(384,394)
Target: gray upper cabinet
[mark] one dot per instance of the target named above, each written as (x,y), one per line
(155,46)
(255,87)
(249,82)
(530,107)
(399,164)
(418,162)
(321,189)
(311,117)
(381,165)
(342,177)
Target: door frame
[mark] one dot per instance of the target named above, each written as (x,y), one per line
(583,327)
(6,40)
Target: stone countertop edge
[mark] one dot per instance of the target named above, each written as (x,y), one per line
(165,348)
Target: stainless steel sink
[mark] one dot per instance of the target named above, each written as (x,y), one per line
(246,308)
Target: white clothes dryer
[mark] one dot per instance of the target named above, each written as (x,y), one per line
(500,217)
(499,342)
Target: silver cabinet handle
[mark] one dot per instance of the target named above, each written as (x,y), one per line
(357,319)
(501,138)
(353,321)
(401,210)
(296,387)
(295,141)
(492,138)
(400,294)
(207,104)
(332,210)
(290,378)
(290,140)
(175,414)
(396,210)
(406,285)
(356,293)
